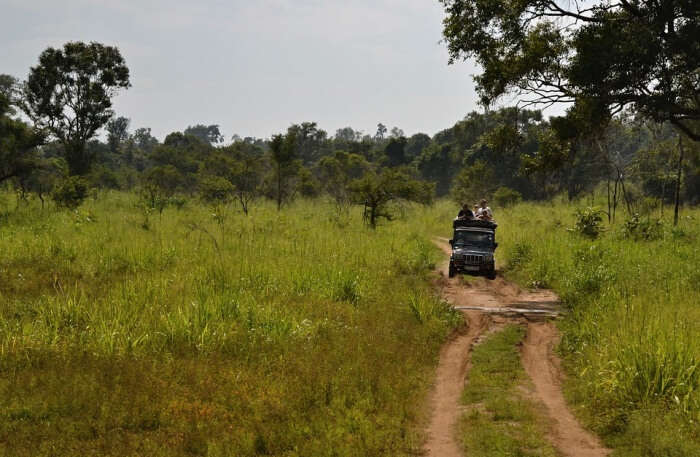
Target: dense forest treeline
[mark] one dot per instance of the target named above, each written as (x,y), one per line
(506,154)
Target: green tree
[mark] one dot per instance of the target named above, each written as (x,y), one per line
(308,185)
(311,141)
(381,132)
(396,133)
(395,151)
(117,133)
(611,55)
(69,94)
(474,183)
(376,191)
(144,140)
(415,146)
(247,176)
(9,89)
(43,178)
(437,164)
(504,197)
(337,171)
(242,165)
(18,143)
(207,133)
(285,167)
(159,184)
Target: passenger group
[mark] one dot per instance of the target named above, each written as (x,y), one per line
(481,212)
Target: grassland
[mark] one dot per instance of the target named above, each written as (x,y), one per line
(631,338)
(204,332)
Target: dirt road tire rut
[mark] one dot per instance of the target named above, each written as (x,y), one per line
(481,302)
(543,368)
(449,383)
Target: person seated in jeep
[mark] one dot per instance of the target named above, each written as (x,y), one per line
(465,212)
(484,212)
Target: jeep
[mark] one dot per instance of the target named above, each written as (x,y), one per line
(473,245)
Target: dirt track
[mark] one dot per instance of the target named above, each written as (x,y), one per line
(487,304)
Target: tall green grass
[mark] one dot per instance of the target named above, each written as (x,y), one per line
(204,332)
(631,335)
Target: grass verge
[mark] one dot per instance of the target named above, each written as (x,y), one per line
(500,420)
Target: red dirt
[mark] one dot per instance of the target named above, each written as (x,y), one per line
(540,362)
(449,382)
(543,367)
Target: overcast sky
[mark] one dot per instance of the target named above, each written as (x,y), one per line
(256,66)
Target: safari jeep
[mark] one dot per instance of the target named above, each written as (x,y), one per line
(473,245)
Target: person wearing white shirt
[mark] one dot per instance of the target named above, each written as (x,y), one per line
(484,212)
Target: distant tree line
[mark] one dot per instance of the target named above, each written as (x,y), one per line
(507,154)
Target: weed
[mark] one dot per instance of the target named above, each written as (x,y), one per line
(643,228)
(588,222)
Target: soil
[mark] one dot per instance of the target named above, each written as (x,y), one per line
(543,367)
(487,304)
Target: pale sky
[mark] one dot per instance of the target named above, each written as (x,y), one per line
(256,66)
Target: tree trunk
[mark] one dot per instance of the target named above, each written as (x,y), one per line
(678,180)
(617,179)
(624,192)
(609,202)
(279,187)
(78,159)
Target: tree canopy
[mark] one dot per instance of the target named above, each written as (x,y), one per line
(603,55)
(69,95)
(18,143)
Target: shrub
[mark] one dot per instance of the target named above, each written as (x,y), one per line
(646,228)
(308,185)
(214,189)
(505,196)
(71,192)
(588,222)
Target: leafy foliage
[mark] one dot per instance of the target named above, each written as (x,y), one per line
(71,192)
(285,168)
(503,196)
(18,142)
(610,55)
(474,183)
(643,228)
(377,191)
(69,94)
(589,222)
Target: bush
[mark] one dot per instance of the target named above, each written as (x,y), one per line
(308,185)
(646,228)
(214,189)
(505,196)
(71,192)
(588,222)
